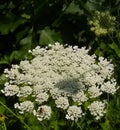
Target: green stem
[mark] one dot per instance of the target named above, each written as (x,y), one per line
(14,115)
(4,125)
(79,127)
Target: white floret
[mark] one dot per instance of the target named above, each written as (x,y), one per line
(74,113)
(62,102)
(26,106)
(97,109)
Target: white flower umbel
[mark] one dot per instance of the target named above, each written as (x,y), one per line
(61,75)
(97,109)
(24,91)
(94,92)
(79,97)
(10,90)
(74,113)
(109,87)
(26,106)
(13,73)
(62,102)
(42,97)
(55,93)
(43,112)
(37,89)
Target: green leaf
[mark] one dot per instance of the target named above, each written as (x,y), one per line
(86,104)
(2,81)
(23,51)
(21,34)
(48,36)
(115,48)
(106,125)
(54,125)
(5,28)
(26,16)
(74,8)
(5,60)
(16,24)
(62,123)
(25,41)
(93,5)
(2,109)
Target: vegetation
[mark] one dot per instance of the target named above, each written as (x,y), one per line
(26,24)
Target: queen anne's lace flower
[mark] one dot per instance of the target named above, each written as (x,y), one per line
(66,75)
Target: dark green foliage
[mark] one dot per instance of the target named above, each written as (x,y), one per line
(25,24)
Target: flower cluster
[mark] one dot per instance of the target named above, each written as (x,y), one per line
(102,23)
(97,109)
(26,106)
(74,113)
(68,76)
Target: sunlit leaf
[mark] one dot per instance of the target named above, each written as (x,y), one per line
(48,36)
(74,8)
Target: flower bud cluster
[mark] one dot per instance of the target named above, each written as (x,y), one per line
(102,23)
(63,77)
